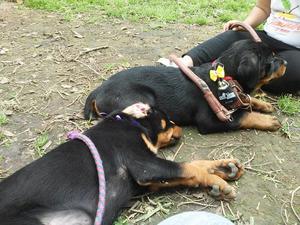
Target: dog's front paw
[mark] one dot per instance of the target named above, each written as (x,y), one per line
(272,123)
(255,120)
(262,106)
(212,175)
(227,169)
(267,108)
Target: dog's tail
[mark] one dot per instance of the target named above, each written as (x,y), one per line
(19,220)
(91,110)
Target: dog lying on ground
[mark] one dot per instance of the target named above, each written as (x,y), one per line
(252,64)
(62,187)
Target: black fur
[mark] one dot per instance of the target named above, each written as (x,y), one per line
(170,90)
(65,180)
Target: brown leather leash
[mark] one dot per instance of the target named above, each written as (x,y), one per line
(248,28)
(221,112)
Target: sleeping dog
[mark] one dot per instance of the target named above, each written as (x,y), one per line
(62,187)
(251,63)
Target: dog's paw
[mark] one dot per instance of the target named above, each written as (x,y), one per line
(227,169)
(272,123)
(262,106)
(267,108)
(260,121)
(212,175)
(221,192)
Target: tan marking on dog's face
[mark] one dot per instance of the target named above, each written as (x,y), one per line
(149,144)
(163,124)
(95,108)
(177,132)
(164,138)
(276,74)
(137,110)
(168,135)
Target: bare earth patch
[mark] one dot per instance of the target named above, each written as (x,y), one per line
(49,65)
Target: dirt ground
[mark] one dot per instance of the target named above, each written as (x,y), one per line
(49,65)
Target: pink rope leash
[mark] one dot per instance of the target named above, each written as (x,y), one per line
(101,177)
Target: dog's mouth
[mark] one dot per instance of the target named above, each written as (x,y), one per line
(169,137)
(279,72)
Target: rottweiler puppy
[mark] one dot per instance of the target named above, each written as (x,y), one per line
(62,187)
(252,64)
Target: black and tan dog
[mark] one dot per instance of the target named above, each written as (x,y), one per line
(62,187)
(252,64)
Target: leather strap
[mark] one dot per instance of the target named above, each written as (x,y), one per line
(248,28)
(221,112)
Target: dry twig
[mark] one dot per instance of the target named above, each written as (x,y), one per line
(292,204)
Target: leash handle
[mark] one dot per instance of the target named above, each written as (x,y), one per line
(221,112)
(248,28)
(100,171)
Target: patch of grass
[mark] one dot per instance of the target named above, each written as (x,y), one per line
(4,140)
(289,105)
(121,221)
(39,143)
(191,12)
(109,67)
(3,119)
(285,129)
(2,136)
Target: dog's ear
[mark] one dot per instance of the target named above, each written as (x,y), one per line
(248,73)
(138,110)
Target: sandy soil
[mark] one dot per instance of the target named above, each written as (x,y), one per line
(47,69)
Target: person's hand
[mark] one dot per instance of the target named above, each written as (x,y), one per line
(231,25)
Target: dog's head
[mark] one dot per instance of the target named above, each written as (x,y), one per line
(275,67)
(252,64)
(157,131)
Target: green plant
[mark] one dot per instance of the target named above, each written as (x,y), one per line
(3,119)
(39,143)
(121,221)
(289,105)
(193,11)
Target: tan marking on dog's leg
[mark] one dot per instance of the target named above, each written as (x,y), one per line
(255,120)
(262,106)
(207,174)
